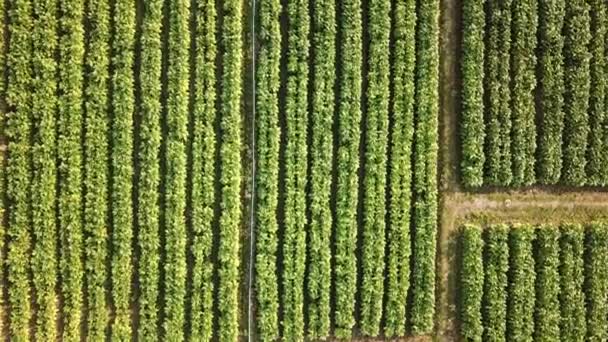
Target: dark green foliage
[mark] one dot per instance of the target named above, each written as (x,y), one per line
(524,26)
(425,166)
(400,177)
(551,88)
(576,96)
(471,284)
(472,129)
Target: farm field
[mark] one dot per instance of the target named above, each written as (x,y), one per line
(303,170)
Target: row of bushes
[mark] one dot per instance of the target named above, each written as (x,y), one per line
(538,283)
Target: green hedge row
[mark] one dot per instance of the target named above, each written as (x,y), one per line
(425,164)
(347,159)
(18,168)
(44,172)
(148,197)
(400,175)
(375,167)
(202,176)
(69,149)
(321,156)
(96,167)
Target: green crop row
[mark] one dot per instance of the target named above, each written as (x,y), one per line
(495,283)
(471,282)
(521,292)
(547,285)
(425,164)
(572,298)
(296,117)
(267,176)
(122,166)
(576,96)
(524,27)
(18,131)
(69,127)
(400,175)
(3,80)
(175,177)
(597,157)
(551,88)
(148,196)
(321,155)
(375,167)
(347,159)
(96,167)
(596,284)
(44,176)
(203,171)
(472,131)
(230,166)
(499,158)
